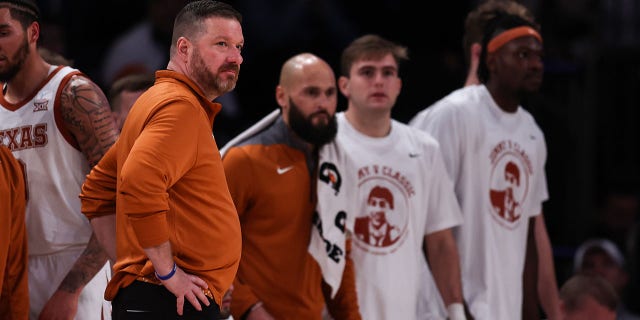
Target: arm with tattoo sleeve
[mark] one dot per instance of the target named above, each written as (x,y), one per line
(87,116)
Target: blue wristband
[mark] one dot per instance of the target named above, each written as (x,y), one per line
(168,276)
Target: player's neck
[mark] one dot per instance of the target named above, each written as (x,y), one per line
(30,77)
(375,124)
(507,101)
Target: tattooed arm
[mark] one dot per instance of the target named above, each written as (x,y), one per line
(87,116)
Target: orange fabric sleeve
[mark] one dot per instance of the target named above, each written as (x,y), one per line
(98,194)
(243,299)
(237,169)
(161,155)
(14,298)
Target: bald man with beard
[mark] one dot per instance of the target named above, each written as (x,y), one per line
(277,277)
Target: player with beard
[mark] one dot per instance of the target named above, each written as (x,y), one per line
(174,233)
(271,177)
(57,123)
(307,129)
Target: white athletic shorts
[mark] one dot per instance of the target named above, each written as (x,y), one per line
(45,275)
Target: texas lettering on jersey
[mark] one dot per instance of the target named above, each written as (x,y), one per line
(25,137)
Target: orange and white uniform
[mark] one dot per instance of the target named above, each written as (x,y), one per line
(55,170)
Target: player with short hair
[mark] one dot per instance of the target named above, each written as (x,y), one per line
(486,138)
(57,122)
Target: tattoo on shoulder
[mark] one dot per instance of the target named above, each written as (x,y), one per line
(87,115)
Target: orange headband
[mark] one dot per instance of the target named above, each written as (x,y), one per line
(511,34)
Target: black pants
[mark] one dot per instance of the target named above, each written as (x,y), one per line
(142,301)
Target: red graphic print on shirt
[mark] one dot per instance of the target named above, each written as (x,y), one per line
(510,174)
(381,224)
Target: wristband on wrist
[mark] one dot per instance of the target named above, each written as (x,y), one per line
(169,275)
(456,311)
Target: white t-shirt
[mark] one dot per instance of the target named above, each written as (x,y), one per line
(496,160)
(403,194)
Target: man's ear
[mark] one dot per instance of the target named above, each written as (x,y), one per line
(33,32)
(283,101)
(281,96)
(343,85)
(474,62)
(182,48)
(476,50)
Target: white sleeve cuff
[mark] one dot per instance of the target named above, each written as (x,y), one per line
(456,311)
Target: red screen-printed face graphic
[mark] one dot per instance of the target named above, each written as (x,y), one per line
(509,183)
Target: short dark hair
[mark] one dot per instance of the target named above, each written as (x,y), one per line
(495,26)
(382,192)
(188,22)
(580,286)
(477,19)
(25,11)
(131,82)
(370,46)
